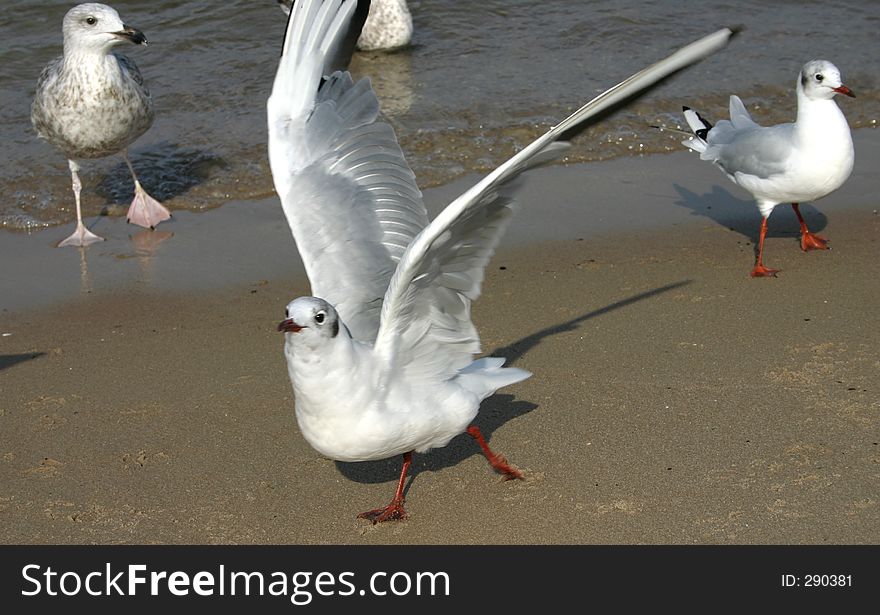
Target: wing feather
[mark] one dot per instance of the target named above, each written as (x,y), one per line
(739,115)
(426,328)
(741,147)
(760,152)
(348,195)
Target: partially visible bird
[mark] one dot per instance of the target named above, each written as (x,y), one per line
(91,102)
(786,163)
(382,358)
(389,25)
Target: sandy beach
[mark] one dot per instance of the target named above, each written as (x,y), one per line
(674,399)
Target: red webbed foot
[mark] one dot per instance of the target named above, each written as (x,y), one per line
(760,271)
(812,241)
(393,512)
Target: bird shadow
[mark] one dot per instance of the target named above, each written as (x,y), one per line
(494,411)
(515,351)
(742,216)
(8,360)
(164,169)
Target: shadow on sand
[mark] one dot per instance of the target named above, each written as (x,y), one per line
(494,411)
(743,217)
(8,360)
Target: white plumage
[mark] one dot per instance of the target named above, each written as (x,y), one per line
(786,163)
(383,362)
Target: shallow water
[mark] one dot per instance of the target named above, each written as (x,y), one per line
(480,80)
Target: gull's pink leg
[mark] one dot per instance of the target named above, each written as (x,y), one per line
(394,510)
(145,210)
(809,241)
(81,236)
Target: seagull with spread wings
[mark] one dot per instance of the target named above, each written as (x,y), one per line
(382,357)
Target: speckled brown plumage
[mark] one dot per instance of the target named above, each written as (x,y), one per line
(91,109)
(91,102)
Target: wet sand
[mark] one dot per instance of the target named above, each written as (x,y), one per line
(674,399)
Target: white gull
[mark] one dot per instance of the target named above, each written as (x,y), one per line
(382,358)
(91,102)
(786,163)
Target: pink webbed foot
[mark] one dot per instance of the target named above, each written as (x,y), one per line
(145,210)
(80,237)
(760,271)
(393,512)
(812,241)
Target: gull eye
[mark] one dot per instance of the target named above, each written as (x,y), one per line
(286,313)
(319,317)
(91,20)
(820,77)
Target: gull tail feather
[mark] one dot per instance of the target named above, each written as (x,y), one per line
(485,376)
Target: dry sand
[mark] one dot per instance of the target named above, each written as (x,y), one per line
(674,399)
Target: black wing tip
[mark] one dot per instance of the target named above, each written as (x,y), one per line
(736,30)
(706,122)
(286,27)
(703,132)
(349,41)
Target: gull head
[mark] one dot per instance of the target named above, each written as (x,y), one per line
(820,80)
(311,318)
(97,28)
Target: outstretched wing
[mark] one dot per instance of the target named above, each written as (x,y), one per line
(426,327)
(350,198)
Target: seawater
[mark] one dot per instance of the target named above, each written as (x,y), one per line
(481,80)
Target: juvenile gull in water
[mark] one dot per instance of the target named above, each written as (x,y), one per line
(388,26)
(91,102)
(786,163)
(382,364)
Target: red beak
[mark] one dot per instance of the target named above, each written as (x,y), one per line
(845,90)
(288,326)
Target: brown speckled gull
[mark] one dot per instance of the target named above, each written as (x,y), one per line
(91,102)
